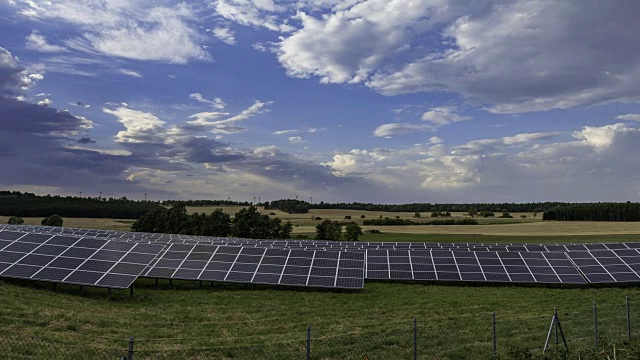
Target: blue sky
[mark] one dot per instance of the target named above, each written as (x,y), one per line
(357,100)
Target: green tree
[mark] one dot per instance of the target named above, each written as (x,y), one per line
(328,230)
(523,216)
(249,223)
(417,215)
(53,220)
(14,220)
(347,217)
(352,232)
(362,216)
(218,223)
(473,212)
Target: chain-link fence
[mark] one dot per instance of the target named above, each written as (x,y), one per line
(608,330)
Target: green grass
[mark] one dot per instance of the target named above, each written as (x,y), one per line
(502,239)
(230,321)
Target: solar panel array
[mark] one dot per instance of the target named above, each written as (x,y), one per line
(346,264)
(73,260)
(260,265)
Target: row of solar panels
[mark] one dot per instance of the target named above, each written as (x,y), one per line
(117,264)
(108,263)
(320,244)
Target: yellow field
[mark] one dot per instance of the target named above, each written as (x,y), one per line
(303,223)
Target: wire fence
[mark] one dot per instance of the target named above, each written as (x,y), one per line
(606,331)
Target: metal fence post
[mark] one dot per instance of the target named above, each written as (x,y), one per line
(628,319)
(415,339)
(595,322)
(555,321)
(130,348)
(493,332)
(308,342)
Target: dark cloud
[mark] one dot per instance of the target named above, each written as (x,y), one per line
(13,78)
(86,140)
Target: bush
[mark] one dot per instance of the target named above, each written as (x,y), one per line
(347,217)
(272,213)
(373,231)
(53,220)
(14,220)
(328,230)
(352,232)
(362,216)
(317,218)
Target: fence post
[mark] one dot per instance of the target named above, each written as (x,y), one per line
(493,332)
(130,348)
(555,321)
(628,319)
(308,342)
(595,322)
(415,339)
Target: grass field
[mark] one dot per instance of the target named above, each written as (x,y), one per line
(230,321)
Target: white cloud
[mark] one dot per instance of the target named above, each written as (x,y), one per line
(130,73)
(513,57)
(37,42)
(434,140)
(443,115)
(295,131)
(296,139)
(225,35)
(140,127)
(216,103)
(129,29)
(256,13)
(392,129)
(628,117)
(228,126)
(45,102)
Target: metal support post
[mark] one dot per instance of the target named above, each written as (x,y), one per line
(555,316)
(628,319)
(109,293)
(493,331)
(170,282)
(308,342)
(415,339)
(595,322)
(200,284)
(131,291)
(156,283)
(130,348)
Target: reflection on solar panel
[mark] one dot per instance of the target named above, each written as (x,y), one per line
(455,265)
(73,260)
(260,265)
(608,266)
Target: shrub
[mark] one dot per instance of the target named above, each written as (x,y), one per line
(14,220)
(347,217)
(53,220)
(373,231)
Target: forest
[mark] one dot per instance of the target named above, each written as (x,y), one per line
(594,212)
(22,204)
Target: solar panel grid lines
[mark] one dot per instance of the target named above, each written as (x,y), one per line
(75,260)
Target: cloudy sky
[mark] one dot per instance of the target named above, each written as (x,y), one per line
(354,100)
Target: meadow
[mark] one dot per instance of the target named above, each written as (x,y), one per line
(231,321)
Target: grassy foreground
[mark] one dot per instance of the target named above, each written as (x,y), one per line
(228,321)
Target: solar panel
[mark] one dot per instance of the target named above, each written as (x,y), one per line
(295,267)
(608,266)
(457,265)
(72,260)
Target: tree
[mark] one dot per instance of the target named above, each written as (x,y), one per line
(347,217)
(53,220)
(328,230)
(14,220)
(249,223)
(473,212)
(506,214)
(523,216)
(352,232)
(417,215)
(218,223)
(362,216)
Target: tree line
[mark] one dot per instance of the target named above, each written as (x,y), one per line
(15,203)
(595,212)
(247,223)
(289,206)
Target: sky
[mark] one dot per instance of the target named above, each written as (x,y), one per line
(385,101)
